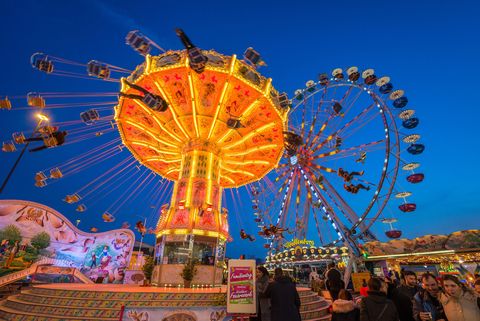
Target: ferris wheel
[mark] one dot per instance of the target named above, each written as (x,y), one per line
(349,134)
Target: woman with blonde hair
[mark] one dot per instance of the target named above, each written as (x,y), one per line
(459,302)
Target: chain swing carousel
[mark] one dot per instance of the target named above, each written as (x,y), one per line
(207,122)
(202,120)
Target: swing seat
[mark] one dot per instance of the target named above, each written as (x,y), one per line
(155,102)
(40,183)
(234,123)
(8,147)
(90,116)
(97,69)
(284,101)
(107,217)
(252,56)
(46,130)
(73,198)
(138,42)
(50,141)
(44,65)
(35,100)
(40,176)
(197,59)
(81,208)
(41,62)
(18,138)
(5,103)
(56,173)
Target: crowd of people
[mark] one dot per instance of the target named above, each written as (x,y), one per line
(384,299)
(405,298)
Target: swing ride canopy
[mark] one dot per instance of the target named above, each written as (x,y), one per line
(228,109)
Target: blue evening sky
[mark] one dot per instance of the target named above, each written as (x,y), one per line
(429,48)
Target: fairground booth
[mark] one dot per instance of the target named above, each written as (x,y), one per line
(457,253)
(301,257)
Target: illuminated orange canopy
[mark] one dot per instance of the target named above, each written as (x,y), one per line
(200,105)
(222,128)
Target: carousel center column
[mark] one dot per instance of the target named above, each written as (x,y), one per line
(193,227)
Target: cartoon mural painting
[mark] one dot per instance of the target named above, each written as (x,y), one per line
(101,256)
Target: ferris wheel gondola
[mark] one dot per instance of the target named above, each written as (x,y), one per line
(392,233)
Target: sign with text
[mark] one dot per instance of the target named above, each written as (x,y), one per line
(241,296)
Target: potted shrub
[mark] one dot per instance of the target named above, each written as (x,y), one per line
(188,272)
(148,269)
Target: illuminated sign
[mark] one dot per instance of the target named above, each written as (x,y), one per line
(296,242)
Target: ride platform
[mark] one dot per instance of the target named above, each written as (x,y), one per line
(55,302)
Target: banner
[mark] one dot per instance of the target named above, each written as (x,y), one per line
(241,294)
(217,313)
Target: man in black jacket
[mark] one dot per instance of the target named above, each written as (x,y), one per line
(376,306)
(410,288)
(334,281)
(285,301)
(402,302)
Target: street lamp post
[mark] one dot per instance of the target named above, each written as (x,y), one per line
(41,118)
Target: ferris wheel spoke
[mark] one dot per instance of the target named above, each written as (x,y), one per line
(350,105)
(335,221)
(317,225)
(315,117)
(306,214)
(310,131)
(338,199)
(308,205)
(286,201)
(298,196)
(324,125)
(324,168)
(362,147)
(346,209)
(334,135)
(302,125)
(274,200)
(319,133)
(352,130)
